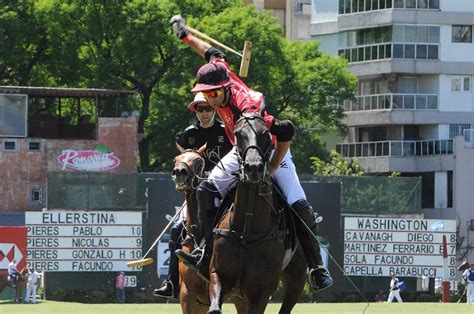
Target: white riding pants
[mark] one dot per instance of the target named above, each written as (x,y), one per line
(285,176)
(470,293)
(394,294)
(30,292)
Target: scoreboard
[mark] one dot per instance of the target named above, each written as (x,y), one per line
(89,241)
(404,247)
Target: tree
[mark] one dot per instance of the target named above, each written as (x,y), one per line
(23,41)
(335,165)
(129,45)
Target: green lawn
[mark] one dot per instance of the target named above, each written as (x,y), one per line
(332,308)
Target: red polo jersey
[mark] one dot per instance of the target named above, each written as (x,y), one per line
(245,99)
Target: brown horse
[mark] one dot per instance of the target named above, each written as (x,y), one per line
(188,169)
(20,284)
(249,245)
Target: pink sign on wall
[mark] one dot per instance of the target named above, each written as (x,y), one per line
(88,160)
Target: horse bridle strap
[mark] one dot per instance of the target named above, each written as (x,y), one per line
(258,237)
(253,117)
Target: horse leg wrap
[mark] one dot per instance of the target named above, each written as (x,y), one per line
(308,241)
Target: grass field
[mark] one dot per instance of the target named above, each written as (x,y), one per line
(332,308)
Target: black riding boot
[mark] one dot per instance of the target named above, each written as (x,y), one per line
(170,286)
(200,258)
(319,277)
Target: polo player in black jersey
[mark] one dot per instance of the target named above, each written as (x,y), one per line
(206,130)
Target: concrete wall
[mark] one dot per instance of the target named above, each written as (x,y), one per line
(454,100)
(22,170)
(449,51)
(463,183)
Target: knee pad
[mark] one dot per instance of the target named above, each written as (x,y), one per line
(205,194)
(306,213)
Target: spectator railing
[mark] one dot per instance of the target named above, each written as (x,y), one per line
(392,101)
(396,148)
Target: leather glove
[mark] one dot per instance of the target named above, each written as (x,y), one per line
(179,26)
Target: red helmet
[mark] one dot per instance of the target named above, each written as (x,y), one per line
(210,76)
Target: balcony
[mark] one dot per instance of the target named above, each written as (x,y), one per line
(396,148)
(354,6)
(392,101)
(395,50)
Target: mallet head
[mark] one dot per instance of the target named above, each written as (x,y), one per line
(246,54)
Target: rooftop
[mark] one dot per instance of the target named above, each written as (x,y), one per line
(61,92)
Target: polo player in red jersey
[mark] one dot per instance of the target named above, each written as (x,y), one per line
(229,95)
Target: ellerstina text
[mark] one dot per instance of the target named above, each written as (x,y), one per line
(78,218)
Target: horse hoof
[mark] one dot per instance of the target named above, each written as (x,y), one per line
(215,312)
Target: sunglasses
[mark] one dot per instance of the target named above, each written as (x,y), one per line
(204,108)
(212,93)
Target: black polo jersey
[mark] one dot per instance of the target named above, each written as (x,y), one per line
(218,145)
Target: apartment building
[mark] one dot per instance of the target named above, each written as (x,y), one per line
(413,112)
(293,15)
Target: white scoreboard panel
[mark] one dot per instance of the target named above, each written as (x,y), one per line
(404,247)
(62,240)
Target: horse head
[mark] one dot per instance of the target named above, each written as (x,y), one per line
(254,143)
(187,167)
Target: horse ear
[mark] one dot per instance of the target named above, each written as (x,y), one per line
(201,150)
(262,109)
(180,148)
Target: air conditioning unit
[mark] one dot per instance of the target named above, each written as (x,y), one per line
(471,225)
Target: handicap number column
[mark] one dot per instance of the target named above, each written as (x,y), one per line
(63,240)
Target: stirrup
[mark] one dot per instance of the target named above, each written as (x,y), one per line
(319,278)
(165,284)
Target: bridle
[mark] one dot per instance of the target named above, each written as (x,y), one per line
(192,174)
(264,153)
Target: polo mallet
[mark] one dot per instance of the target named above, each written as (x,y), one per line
(147,261)
(245,55)
(463,294)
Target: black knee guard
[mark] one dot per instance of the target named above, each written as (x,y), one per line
(307,214)
(206,194)
(308,237)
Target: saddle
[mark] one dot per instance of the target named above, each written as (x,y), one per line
(287,223)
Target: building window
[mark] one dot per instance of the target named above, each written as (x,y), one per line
(458,129)
(461,83)
(355,6)
(467,83)
(36,196)
(34,146)
(417,4)
(462,34)
(13,113)
(10,146)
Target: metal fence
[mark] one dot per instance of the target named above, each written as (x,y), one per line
(378,195)
(103,191)
(367,194)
